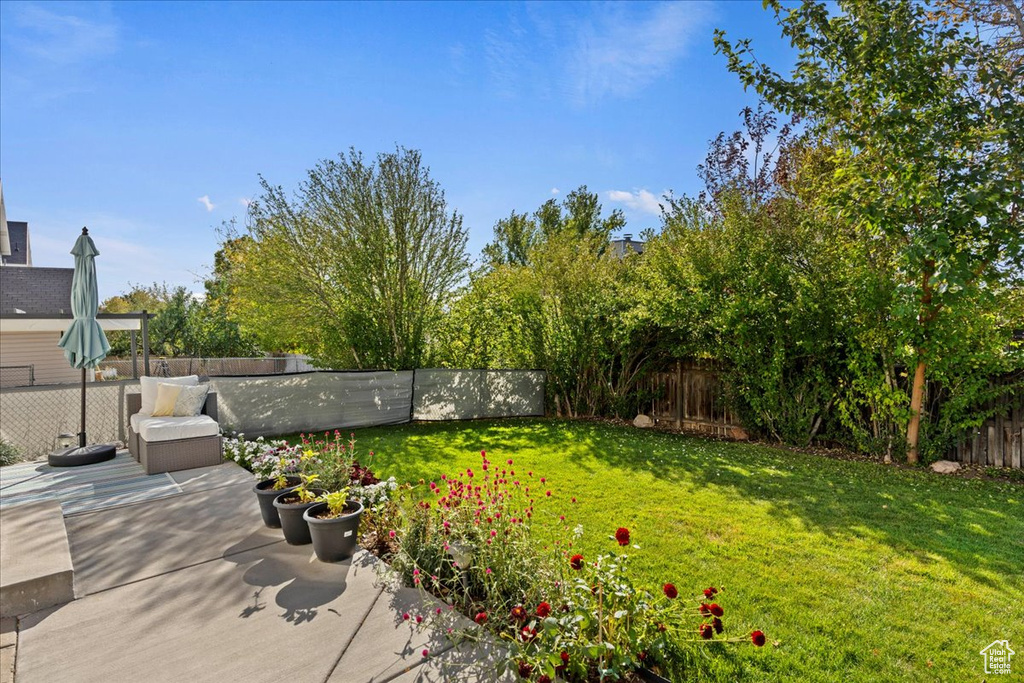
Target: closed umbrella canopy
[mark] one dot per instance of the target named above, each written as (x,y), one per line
(84,343)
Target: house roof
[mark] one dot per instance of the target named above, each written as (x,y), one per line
(621,247)
(21,252)
(37,292)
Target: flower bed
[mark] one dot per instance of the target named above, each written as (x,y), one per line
(468,540)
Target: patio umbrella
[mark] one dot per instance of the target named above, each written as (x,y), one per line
(84,343)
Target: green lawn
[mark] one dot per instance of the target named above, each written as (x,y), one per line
(855,571)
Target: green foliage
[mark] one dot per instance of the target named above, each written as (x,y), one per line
(554,297)
(336,501)
(183,325)
(778,329)
(751,518)
(578,216)
(925,122)
(8,454)
(357,269)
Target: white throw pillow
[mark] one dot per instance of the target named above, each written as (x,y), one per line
(149,389)
(191,400)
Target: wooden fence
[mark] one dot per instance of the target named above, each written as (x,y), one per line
(997,443)
(690,396)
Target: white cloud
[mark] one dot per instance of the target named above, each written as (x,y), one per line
(62,39)
(641,200)
(205,201)
(244,201)
(554,190)
(620,51)
(589,52)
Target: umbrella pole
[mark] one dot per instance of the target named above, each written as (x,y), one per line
(81,434)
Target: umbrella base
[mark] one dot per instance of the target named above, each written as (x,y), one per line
(84,455)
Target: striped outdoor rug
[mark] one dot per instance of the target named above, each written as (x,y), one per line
(79,489)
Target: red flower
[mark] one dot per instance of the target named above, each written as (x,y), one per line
(706,631)
(708,592)
(518,613)
(662,628)
(576,562)
(543,609)
(528,634)
(622,535)
(565,657)
(481,618)
(716,609)
(525,669)
(670,591)
(757,638)
(717,623)
(544,678)
(704,609)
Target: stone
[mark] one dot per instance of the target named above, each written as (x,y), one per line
(643,421)
(945,466)
(739,434)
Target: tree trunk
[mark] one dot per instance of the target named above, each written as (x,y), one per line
(916,402)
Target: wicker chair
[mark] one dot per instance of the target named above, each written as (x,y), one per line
(175,454)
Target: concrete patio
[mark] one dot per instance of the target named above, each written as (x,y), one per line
(191,586)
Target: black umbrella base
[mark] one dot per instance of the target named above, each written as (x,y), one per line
(84,455)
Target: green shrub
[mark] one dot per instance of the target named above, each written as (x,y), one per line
(8,454)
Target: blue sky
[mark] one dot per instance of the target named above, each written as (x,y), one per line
(150,122)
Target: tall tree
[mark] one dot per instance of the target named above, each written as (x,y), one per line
(578,216)
(358,267)
(929,129)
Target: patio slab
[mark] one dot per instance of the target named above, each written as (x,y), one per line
(121,545)
(205,478)
(268,614)
(466,663)
(35,559)
(387,646)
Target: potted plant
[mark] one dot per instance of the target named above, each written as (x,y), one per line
(334,525)
(269,489)
(292,504)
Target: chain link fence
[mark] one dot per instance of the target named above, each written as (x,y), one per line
(209,367)
(33,418)
(17,376)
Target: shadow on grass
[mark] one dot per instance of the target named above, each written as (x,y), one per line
(976,526)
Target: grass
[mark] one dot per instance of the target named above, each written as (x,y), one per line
(855,571)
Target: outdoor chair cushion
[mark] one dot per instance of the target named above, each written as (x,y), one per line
(166,398)
(191,400)
(171,428)
(149,389)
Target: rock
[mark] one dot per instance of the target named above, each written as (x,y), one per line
(945,466)
(739,433)
(643,421)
